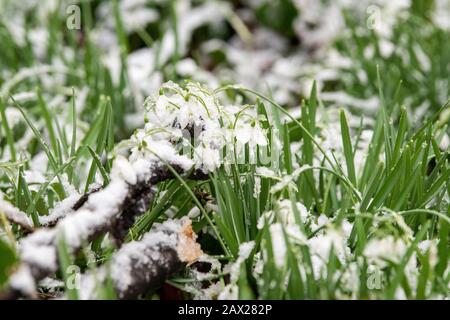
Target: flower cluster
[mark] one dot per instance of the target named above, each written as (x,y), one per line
(190,127)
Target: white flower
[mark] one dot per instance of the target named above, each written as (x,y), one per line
(192,111)
(139,142)
(206,158)
(163,110)
(320,247)
(388,248)
(213,135)
(286,213)
(254,135)
(181,114)
(333,238)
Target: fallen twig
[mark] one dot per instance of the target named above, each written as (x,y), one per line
(62,209)
(143,265)
(112,209)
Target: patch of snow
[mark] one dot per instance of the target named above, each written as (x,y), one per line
(23,281)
